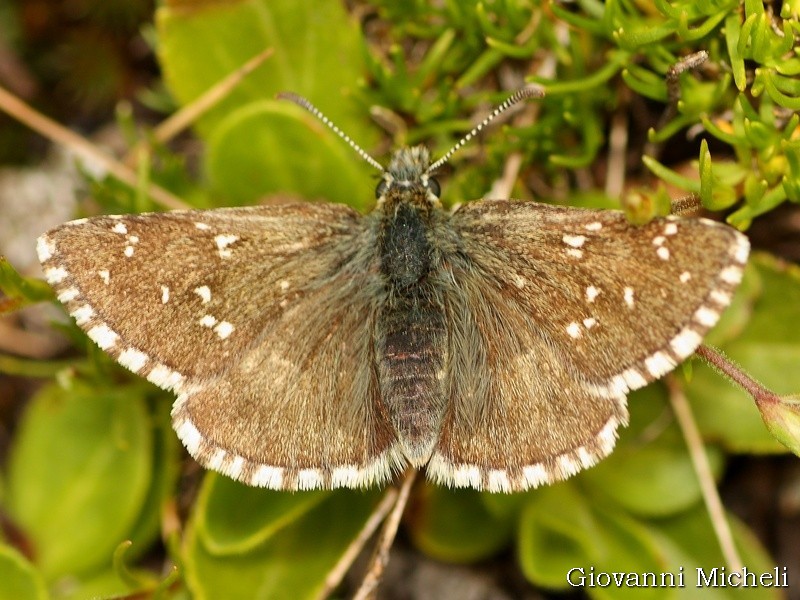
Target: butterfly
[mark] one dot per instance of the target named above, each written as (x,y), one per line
(311,346)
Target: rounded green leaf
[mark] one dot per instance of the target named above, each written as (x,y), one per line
(272,146)
(18,577)
(79,473)
(650,473)
(456,526)
(259,513)
(317,52)
(292,563)
(562,530)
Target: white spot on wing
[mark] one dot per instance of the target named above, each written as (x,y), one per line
(164,294)
(128,251)
(535,475)
(685,342)
(663,253)
(574,330)
(45,248)
(165,378)
(268,477)
(576,241)
(721,298)
(608,436)
(55,275)
(633,379)
(309,479)
(346,476)
(589,323)
(208,321)
(83,314)
(670,229)
(103,336)
(234,469)
(592,293)
(68,295)
(284,285)
(190,436)
(659,364)
(659,240)
(594,226)
(204,292)
(498,481)
(105,276)
(223,241)
(574,253)
(119,227)
(685,277)
(201,226)
(706,316)
(628,297)
(742,249)
(132,359)
(732,275)
(224,329)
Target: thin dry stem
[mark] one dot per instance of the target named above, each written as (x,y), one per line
(337,573)
(372,579)
(618,143)
(716,511)
(82,147)
(187,115)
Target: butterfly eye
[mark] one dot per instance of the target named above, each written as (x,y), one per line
(382,188)
(434,187)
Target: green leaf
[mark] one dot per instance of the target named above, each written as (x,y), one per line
(296,146)
(457,526)
(650,473)
(19,579)
(317,52)
(561,529)
(292,563)
(689,540)
(20,290)
(259,515)
(767,349)
(79,472)
(566,540)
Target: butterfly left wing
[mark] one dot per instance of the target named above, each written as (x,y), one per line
(260,319)
(554,314)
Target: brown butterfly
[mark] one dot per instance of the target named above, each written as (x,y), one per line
(311,346)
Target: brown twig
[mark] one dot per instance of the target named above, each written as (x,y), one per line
(372,579)
(337,573)
(716,511)
(187,115)
(82,147)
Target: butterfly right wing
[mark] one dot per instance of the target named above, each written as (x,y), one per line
(260,319)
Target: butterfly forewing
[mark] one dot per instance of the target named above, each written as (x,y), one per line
(555,314)
(262,294)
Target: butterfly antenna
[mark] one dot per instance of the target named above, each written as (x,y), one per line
(303,103)
(530,91)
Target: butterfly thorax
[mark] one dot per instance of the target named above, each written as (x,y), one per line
(410,342)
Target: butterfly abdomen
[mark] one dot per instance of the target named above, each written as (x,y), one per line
(410,337)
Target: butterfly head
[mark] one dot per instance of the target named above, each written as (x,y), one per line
(408,176)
